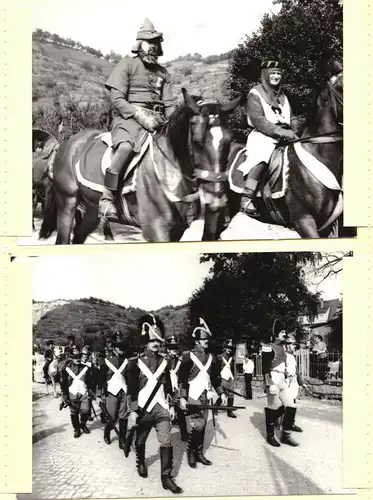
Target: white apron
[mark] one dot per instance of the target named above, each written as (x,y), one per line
(202,381)
(149,386)
(259,146)
(226,373)
(117,382)
(175,376)
(77,386)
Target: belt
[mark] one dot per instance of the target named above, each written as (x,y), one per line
(157,108)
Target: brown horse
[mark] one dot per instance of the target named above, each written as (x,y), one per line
(190,146)
(308,206)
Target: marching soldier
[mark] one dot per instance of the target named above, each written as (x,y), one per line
(144,372)
(172,349)
(115,388)
(280,400)
(225,366)
(141,96)
(196,375)
(86,359)
(76,380)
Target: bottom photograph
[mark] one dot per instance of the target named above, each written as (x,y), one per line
(196,374)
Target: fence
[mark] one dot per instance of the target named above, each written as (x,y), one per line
(312,366)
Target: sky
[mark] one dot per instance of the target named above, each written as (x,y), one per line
(144,280)
(203,26)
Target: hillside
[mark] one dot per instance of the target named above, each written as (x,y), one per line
(91,319)
(60,71)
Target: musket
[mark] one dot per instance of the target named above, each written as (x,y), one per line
(131,432)
(235,393)
(214,407)
(104,410)
(213,417)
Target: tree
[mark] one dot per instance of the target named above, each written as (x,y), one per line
(246,292)
(306,35)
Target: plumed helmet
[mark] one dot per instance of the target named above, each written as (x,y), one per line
(151,327)
(202,327)
(118,336)
(86,350)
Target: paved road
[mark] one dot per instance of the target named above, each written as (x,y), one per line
(243,463)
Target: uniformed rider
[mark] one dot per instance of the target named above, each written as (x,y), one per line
(269,114)
(141,97)
(143,373)
(197,375)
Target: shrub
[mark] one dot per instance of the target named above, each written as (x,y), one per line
(87,66)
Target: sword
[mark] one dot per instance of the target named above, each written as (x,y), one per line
(104,410)
(235,393)
(214,407)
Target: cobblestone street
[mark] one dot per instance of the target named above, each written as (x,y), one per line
(243,463)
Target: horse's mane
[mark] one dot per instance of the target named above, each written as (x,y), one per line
(178,132)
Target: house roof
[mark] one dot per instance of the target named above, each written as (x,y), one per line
(325,313)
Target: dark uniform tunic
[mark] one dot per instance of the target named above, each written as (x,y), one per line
(157,414)
(195,383)
(114,386)
(275,377)
(77,391)
(141,85)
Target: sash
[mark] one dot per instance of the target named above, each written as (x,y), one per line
(117,382)
(202,381)
(77,386)
(226,372)
(174,376)
(150,384)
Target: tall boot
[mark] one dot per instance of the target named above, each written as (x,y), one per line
(279,414)
(230,412)
(271,418)
(250,189)
(287,425)
(166,470)
(200,457)
(107,430)
(192,449)
(140,460)
(75,423)
(121,158)
(122,432)
(83,423)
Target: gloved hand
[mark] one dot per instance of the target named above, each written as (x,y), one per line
(148,121)
(183,404)
(288,135)
(65,398)
(132,419)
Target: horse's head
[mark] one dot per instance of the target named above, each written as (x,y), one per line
(210,142)
(57,352)
(331,96)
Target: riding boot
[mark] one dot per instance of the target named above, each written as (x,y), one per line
(83,423)
(166,470)
(140,460)
(279,415)
(230,412)
(122,432)
(271,419)
(106,207)
(192,445)
(76,427)
(287,425)
(250,189)
(200,457)
(107,430)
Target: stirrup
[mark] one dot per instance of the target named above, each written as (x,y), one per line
(250,212)
(110,212)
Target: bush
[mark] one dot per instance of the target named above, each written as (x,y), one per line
(186,70)
(87,66)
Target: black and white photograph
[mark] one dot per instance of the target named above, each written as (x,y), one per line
(186,373)
(157,123)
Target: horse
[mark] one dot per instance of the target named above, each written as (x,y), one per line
(308,205)
(44,146)
(183,167)
(54,371)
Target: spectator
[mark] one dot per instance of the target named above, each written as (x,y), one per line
(320,357)
(248,369)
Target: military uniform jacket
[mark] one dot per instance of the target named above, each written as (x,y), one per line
(112,374)
(140,84)
(142,374)
(198,372)
(273,359)
(76,378)
(225,366)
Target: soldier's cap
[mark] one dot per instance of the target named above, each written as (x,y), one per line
(228,343)
(49,342)
(75,351)
(202,327)
(121,345)
(86,350)
(272,65)
(172,340)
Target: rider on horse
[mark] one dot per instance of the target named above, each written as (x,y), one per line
(48,356)
(141,97)
(269,113)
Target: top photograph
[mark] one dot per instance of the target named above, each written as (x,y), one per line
(158,124)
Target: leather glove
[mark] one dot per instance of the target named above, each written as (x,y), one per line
(183,404)
(288,134)
(148,121)
(132,419)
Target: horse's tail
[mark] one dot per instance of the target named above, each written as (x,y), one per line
(49,223)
